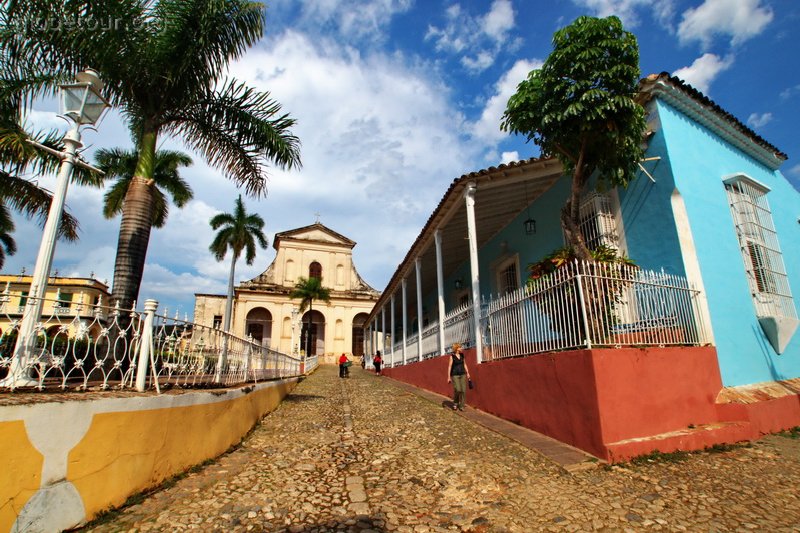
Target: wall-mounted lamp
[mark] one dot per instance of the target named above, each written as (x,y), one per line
(459,284)
(530,226)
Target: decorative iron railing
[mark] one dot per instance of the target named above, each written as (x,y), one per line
(580,305)
(98,347)
(584,305)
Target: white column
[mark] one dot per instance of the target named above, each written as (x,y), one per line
(405,318)
(392,340)
(418,266)
(440,288)
(383,331)
(469,197)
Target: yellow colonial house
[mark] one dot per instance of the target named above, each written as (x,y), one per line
(68,301)
(262,307)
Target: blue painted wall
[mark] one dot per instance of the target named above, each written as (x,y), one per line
(699,162)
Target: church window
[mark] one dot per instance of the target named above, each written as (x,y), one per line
(315,270)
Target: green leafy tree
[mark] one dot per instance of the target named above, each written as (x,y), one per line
(308,290)
(580,108)
(120,165)
(239,232)
(162,65)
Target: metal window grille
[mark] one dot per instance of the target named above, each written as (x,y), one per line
(761,253)
(597,222)
(508,280)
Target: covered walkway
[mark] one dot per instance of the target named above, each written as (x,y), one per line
(370,454)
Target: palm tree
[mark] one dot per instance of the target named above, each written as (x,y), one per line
(162,66)
(7,244)
(121,164)
(308,290)
(240,231)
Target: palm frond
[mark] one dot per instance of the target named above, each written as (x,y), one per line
(34,202)
(238,130)
(198,39)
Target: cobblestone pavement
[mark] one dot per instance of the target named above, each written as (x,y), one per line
(363,455)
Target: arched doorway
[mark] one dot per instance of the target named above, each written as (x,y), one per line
(258,325)
(312,339)
(358,333)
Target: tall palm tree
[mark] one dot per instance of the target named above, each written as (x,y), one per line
(121,165)
(240,232)
(308,290)
(163,67)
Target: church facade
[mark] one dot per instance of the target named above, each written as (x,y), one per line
(263,309)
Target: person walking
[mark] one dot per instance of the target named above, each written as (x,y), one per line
(343,366)
(458,375)
(376,362)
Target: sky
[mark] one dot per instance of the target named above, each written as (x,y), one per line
(394,99)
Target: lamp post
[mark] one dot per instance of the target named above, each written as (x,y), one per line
(295,312)
(82,104)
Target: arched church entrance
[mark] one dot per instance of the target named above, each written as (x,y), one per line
(312,338)
(258,325)
(358,333)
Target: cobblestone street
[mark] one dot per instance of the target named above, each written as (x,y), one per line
(364,454)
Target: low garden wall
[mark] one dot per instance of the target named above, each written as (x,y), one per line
(68,460)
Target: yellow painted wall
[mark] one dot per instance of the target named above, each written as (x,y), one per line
(125,453)
(21,473)
(127,450)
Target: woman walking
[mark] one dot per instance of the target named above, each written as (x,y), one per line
(458,375)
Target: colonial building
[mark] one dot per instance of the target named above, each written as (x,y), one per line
(697,345)
(77,303)
(263,310)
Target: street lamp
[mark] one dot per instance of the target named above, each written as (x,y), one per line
(295,312)
(83,105)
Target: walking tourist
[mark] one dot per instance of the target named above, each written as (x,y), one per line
(458,374)
(376,362)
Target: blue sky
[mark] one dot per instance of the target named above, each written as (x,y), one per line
(396,98)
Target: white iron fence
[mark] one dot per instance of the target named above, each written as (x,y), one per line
(87,347)
(585,305)
(580,305)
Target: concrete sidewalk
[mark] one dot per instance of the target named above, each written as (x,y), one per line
(570,458)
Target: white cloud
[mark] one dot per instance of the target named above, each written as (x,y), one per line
(627,10)
(789,92)
(499,20)
(353,20)
(380,137)
(508,157)
(739,19)
(794,171)
(487,128)
(479,38)
(704,71)
(757,120)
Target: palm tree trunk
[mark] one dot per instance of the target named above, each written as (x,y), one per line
(134,231)
(226,322)
(229,301)
(308,334)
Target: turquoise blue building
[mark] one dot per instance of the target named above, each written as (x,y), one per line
(696,345)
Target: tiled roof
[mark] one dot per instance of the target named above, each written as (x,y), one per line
(647,83)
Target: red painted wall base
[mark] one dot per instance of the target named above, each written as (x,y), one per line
(613,403)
